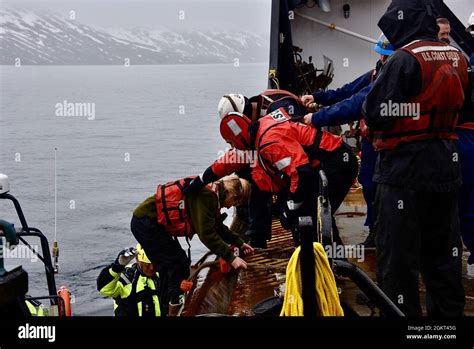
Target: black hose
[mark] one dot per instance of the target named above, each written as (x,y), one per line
(366,285)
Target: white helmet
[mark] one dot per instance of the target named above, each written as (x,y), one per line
(231,102)
(470,24)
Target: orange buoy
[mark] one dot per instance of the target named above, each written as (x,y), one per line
(66,297)
(186,285)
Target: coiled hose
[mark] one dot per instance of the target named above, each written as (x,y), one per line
(326,289)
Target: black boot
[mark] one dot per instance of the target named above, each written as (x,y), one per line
(256,239)
(370,240)
(258,243)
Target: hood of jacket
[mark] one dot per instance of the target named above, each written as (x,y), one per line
(409,20)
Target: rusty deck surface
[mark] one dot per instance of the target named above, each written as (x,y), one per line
(236,293)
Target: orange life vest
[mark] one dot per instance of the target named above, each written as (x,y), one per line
(171,207)
(444,79)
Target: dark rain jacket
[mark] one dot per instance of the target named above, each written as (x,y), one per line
(427,165)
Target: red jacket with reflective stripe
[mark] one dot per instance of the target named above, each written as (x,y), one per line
(232,161)
(444,79)
(283,146)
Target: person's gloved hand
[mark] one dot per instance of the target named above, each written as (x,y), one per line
(193,186)
(126,256)
(221,218)
(289,217)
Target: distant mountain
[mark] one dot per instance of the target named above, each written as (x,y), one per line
(44,38)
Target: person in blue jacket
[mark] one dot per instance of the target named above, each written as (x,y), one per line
(343,106)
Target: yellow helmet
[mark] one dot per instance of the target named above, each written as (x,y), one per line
(141,256)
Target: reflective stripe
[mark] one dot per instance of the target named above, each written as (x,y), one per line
(125,278)
(434,48)
(267,98)
(236,130)
(141,282)
(283,163)
(156,301)
(140,310)
(411,43)
(293,205)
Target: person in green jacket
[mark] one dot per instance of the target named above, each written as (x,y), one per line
(135,287)
(36,308)
(160,219)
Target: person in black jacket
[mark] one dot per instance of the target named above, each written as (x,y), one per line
(412,111)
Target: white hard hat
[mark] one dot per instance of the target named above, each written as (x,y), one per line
(470,24)
(231,102)
(4,184)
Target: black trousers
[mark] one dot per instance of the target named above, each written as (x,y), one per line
(167,256)
(341,169)
(418,232)
(260,214)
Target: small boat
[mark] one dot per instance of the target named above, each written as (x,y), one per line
(14,283)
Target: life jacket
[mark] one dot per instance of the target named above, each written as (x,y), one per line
(142,298)
(444,79)
(171,207)
(311,144)
(265,100)
(467,125)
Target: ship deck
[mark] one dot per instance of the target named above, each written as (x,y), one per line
(236,293)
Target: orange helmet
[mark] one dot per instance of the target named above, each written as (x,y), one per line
(235,130)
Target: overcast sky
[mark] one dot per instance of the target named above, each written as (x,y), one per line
(248,15)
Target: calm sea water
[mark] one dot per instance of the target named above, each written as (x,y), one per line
(152,124)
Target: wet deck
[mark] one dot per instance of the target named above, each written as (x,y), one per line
(236,293)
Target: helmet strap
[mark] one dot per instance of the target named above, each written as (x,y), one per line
(253,129)
(231,101)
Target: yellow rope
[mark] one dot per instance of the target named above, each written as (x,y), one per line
(326,289)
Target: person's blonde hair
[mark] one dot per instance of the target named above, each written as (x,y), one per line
(238,188)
